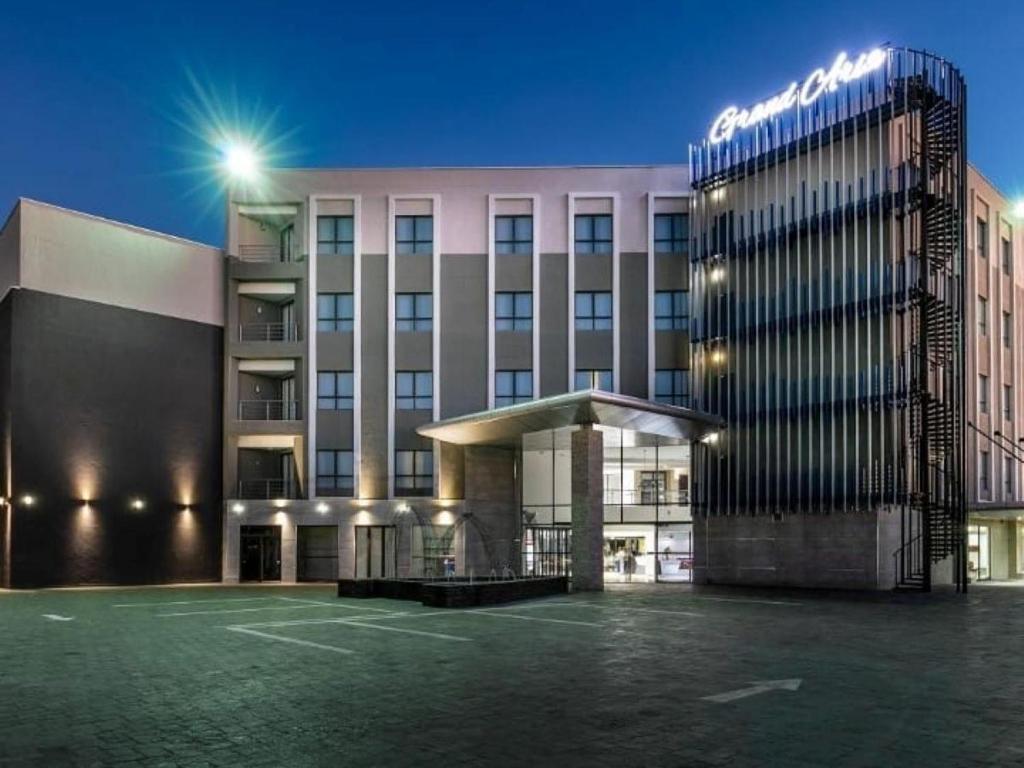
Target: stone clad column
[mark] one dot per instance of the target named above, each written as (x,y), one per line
(587,509)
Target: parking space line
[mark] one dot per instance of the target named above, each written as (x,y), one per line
(335,605)
(620,607)
(439,635)
(293,640)
(333,620)
(250,610)
(503,614)
(161,603)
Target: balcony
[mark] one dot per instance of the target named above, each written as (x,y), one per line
(264,252)
(263,332)
(267,488)
(266,233)
(269,410)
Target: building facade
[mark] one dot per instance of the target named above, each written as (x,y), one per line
(995,438)
(111,351)
(790,362)
(363,306)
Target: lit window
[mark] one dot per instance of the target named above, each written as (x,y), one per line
(414,235)
(334,312)
(414,312)
(671,232)
(334,235)
(593,311)
(671,310)
(414,390)
(593,379)
(513,234)
(513,311)
(511,387)
(414,473)
(334,390)
(334,473)
(593,233)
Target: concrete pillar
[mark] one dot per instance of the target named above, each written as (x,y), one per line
(587,509)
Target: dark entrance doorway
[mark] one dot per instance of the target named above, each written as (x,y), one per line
(260,555)
(376,551)
(317,553)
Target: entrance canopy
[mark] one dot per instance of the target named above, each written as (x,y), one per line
(506,426)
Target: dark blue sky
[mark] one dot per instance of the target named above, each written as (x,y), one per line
(96,96)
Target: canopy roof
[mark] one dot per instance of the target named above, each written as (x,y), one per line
(506,426)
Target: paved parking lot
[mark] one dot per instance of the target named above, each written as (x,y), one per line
(667,676)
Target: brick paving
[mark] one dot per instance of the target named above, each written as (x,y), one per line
(584,680)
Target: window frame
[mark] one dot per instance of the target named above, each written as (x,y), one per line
(592,245)
(334,401)
(416,321)
(335,322)
(983,315)
(417,457)
(678,234)
(518,378)
(334,487)
(678,393)
(594,376)
(516,245)
(335,242)
(515,321)
(593,321)
(676,320)
(417,401)
(983,393)
(417,245)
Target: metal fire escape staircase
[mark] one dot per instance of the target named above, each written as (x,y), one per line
(933,516)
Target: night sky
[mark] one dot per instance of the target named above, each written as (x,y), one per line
(115,108)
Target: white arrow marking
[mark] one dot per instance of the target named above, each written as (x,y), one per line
(756,687)
(56,617)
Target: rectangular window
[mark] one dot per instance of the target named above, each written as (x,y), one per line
(1007,402)
(671,232)
(334,390)
(513,234)
(982,393)
(513,311)
(1007,329)
(982,238)
(334,312)
(414,390)
(334,235)
(982,315)
(984,474)
(671,310)
(593,379)
(1007,257)
(414,235)
(593,233)
(1009,470)
(334,473)
(511,387)
(672,386)
(414,311)
(414,473)
(593,311)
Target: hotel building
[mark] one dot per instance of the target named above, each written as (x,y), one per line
(757,368)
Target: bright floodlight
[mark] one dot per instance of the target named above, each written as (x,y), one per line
(1018,209)
(241,161)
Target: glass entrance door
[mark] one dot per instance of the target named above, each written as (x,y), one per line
(628,553)
(376,552)
(260,553)
(979,553)
(547,550)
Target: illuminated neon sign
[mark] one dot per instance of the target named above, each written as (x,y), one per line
(820,81)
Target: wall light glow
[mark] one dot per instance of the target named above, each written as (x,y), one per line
(138,504)
(717,275)
(28,500)
(322,508)
(710,439)
(280,503)
(238,508)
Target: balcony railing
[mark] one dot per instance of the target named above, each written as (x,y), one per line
(268,332)
(651,497)
(267,252)
(267,488)
(268,410)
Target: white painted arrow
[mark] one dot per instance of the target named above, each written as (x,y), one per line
(756,687)
(56,617)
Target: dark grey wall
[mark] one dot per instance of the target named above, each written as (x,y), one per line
(554,317)
(110,404)
(374,425)
(633,324)
(463,334)
(5,431)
